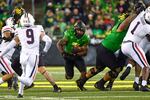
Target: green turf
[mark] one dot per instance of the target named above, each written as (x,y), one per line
(122,90)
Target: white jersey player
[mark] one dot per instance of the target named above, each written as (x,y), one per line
(5,63)
(7,37)
(28,36)
(139,28)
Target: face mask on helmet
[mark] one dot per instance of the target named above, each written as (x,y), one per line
(79,26)
(27,20)
(79,29)
(17,13)
(7,33)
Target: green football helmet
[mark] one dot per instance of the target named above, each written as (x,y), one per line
(80,26)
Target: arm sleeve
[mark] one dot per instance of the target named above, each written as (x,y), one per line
(48,42)
(8,47)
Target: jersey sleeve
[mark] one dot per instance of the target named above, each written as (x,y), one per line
(41,28)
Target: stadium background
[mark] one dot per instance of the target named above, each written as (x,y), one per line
(58,15)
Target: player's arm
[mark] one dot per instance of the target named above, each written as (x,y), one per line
(125,24)
(47,40)
(139,7)
(12,44)
(60,45)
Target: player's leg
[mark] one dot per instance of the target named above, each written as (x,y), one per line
(5,66)
(136,79)
(138,55)
(17,68)
(20,92)
(80,65)
(15,59)
(9,82)
(112,79)
(115,63)
(29,67)
(49,78)
(130,64)
(21,87)
(47,75)
(109,76)
(121,60)
(69,64)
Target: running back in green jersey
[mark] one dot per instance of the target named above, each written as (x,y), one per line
(114,40)
(72,40)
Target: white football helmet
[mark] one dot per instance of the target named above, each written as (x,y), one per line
(7,28)
(147,15)
(27,20)
(10,22)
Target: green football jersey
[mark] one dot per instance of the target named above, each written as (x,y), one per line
(73,40)
(114,40)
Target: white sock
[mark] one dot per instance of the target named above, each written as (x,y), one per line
(21,87)
(1,81)
(136,80)
(129,65)
(144,82)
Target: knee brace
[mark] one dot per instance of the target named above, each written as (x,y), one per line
(113,74)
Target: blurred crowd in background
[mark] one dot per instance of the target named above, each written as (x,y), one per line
(98,15)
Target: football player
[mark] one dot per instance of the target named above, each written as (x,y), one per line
(73,47)
(138,29)
(14,22)
(5,63)
(28,36)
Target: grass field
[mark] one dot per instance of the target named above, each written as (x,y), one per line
(122,90)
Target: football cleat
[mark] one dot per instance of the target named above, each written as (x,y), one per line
(99,86)
(20,96)
(125,73)
(57,90)
(144,88)
(28,87)
(136,86)
(109,85)
(80,85)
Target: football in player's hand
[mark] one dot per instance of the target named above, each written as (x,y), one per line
(76,49)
